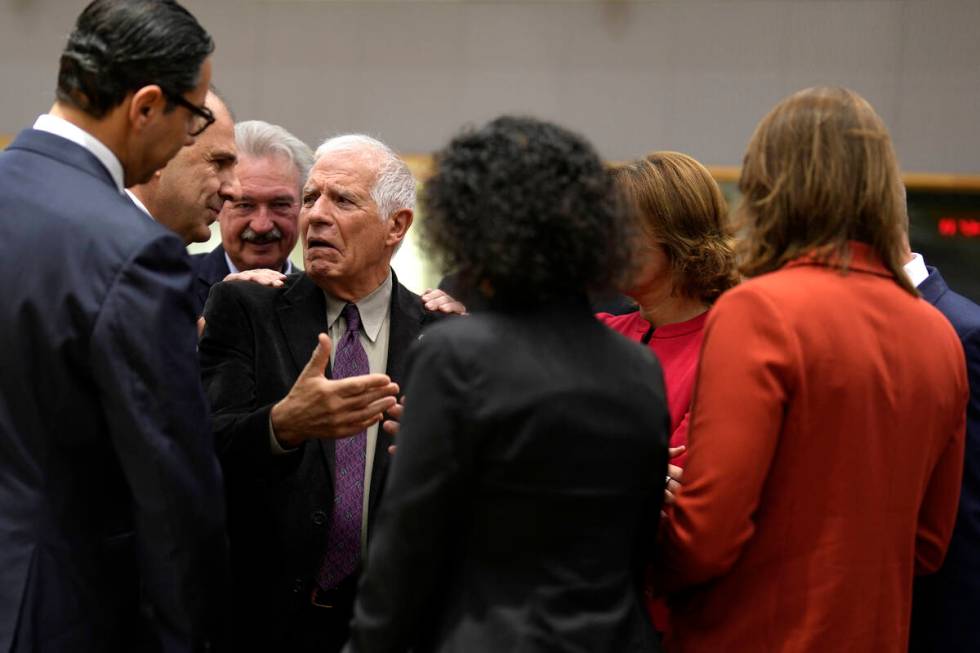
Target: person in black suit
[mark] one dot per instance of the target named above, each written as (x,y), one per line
(258,227)
(111,511)
(300,503)
(945,604)
(526,489)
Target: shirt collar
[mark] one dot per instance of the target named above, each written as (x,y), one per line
(138,203)
(916,270)
(61,127)
(233,269)
(372,307)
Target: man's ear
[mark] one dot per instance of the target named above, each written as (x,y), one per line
(145,105)
(398,225)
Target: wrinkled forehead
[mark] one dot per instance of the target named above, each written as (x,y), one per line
(267,169)
(347,167)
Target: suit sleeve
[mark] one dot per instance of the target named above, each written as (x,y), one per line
(143,358)
(937,515)
(227,352)
(411,541)
(746,375)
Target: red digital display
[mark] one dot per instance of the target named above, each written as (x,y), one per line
(950,227)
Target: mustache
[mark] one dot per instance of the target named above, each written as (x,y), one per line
(271,236)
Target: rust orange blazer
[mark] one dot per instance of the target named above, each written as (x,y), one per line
(826,449)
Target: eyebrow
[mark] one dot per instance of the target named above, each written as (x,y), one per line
(222,155)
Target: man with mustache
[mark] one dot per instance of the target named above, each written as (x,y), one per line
(258,227)
(187,195)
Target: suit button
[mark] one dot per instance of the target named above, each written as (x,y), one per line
(298,585)
(319,517)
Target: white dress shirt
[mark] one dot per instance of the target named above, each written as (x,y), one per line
(61,127)
(916,270)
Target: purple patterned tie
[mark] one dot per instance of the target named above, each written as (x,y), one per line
(344,534)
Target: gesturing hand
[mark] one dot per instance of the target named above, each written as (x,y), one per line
(318,407)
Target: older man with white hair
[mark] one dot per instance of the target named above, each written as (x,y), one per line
(298,377)
(259,224)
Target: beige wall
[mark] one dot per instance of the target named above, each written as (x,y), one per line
(692,75)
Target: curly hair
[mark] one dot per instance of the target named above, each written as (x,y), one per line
(526,207)
(679,206)
(820,171)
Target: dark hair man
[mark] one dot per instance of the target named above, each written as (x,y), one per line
(111,511)
(300,502)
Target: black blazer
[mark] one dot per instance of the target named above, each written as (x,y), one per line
(208,269)
(256,342)
(946,605)
(111,510)
(525,492)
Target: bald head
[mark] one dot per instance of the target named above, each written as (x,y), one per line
(187,195)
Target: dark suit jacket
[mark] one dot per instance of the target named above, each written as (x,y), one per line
(256,342)
(208,269)
(111,511)
(946,605)
(524,493)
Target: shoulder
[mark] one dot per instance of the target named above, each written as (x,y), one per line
(623,323)
(260,297)
(961,312)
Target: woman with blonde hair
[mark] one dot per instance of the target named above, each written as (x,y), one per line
(826,437)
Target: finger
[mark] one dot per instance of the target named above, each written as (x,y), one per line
(391,427)
(395,413)
(673,452)
(430,297)
(453,307)
(391,449)
(200,326)
(669,498)
(317,365)
(354,386)
(675,472)
(364,415)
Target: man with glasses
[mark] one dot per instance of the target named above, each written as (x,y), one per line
(111,510)
(187,194)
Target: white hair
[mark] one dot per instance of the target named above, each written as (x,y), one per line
(257,138)
(394,188)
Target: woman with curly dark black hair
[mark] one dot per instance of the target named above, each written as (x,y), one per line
(528,480)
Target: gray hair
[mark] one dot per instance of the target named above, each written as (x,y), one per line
(394,189)
(257,138)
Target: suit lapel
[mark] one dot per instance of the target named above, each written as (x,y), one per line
(213,267)
(934,287)
(302,314)
(64,150)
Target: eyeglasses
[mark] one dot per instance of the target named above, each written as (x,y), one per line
(203,117)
